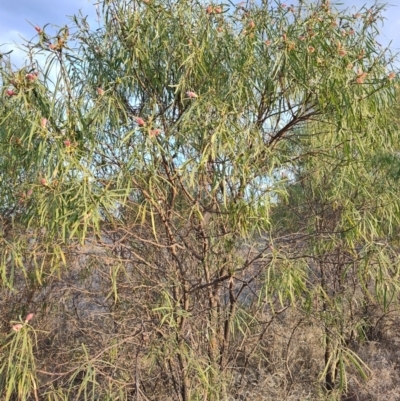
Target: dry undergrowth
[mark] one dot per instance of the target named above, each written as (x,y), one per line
(85,333)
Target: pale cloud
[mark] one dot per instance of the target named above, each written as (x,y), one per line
(19,17)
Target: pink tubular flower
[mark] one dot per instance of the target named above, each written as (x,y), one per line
(140,122)
(361,76)
(191,95)
(43,181)
(17,327)
(38,29)
(311,49)
(67,143)
(391,76)
(342,52)
(155,132)
(29,192)
(30,77)
(100,91)
(29,316)
(10,92)
(43,122)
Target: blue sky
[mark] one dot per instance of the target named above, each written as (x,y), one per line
(15,14)
(391,28)
(16,17)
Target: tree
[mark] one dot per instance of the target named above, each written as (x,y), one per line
(195,179)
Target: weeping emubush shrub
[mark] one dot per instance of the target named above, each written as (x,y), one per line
(196,183)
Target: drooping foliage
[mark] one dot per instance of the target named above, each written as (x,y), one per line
(187,192)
